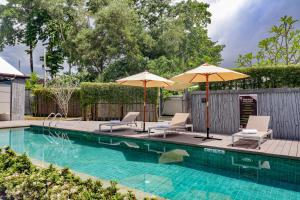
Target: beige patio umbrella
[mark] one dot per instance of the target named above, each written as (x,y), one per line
(178,86)
(208,73)
(145,80)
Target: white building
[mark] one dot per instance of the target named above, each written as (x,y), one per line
(12,92)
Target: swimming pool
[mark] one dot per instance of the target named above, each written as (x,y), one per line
(168,170)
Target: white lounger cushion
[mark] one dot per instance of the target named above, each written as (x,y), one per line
(161,126)
(115,121)
(249,131)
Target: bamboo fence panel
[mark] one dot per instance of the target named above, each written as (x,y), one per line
(283,105)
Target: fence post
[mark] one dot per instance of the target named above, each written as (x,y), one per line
(122,111)
(160,102)
(96,112)
(84,113)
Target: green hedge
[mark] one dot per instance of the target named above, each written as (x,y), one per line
(263,77)
(90,93)
(45,92)
(20,179)
(114,93)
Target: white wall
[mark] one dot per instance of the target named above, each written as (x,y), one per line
(172,105)
(4,98)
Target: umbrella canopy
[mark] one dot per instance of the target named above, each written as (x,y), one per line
(215,74)
(208,73)
(145,80)
(178,86)
(151,80)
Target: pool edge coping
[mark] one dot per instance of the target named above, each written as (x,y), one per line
(179,142)
(163,141)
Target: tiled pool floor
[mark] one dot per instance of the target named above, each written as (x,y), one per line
(167,170)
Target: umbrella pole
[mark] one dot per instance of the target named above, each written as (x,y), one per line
(207,104)
(145,98)
(207,110)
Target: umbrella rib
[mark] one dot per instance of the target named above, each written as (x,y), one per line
(166,83)
(212,74)
(122,82)
(194,78)
(220,77)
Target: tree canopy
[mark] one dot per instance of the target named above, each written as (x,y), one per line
(108,39)
(281,48)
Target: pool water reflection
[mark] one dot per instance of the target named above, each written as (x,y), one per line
(168,170)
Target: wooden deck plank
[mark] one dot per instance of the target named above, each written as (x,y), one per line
(266,145)
(272,143)
(298,151)
(286,149)
(279,147)
(293,150)
(273,146)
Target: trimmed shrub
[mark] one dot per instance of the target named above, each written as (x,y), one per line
(46,93)
(114,93)
(263,77)
(20,179)
(91,93)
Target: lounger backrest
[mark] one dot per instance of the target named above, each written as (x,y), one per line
(179,119)
(130,117)
(260,123)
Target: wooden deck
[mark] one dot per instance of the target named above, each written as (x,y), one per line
(275,147)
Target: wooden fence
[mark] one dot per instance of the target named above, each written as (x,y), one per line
(43,106)
(283,105)
(106,111)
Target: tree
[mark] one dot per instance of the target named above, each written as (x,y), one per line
(245,60)
(21,22)
(32,82)
(282,47)
(114,37)
(190,19)
(166,33)
(66,19)
(54,59)
(153,14)
(62,88)
(111,38)
(55,23)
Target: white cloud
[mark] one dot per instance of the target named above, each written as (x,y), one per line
(241,24)
(3,2)
(226,16)
(224,13)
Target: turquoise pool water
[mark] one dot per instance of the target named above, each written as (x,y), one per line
(168,170)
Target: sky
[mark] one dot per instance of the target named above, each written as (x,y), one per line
(238,24)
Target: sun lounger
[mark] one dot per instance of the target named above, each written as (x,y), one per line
(178,122)
(129,119)
(256,129)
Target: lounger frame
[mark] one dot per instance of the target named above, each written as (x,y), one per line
(173,127)
(260,136)
(129,119)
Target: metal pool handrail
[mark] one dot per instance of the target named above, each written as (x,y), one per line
(50,115)
(54,118)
